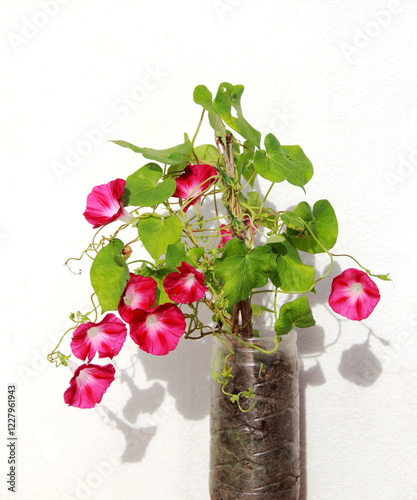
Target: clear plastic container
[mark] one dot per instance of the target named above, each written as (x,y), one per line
(256,454)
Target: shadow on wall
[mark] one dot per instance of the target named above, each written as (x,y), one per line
(358,364)
(186,372)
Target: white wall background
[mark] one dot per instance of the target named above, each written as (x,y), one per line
(338,78)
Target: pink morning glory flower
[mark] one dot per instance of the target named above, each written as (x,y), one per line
(88,385)
(193,181)
(226,234)
(158,330)
(104,204)
(354,295)
(186,285)
(106,338)
(140,293)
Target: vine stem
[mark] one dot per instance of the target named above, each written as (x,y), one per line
(196,134)
(242,325)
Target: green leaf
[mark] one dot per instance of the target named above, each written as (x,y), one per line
(157,233)
(175,254)
(228,96)
(144,189)
(244,164)
(194,254)
(384,277)
(171,156)
(279,163)
(254,200)
(207,153)
(158,275)
(294,314)
(204,97)
(277,238)
(291,274)
(292,220)
(322,222)
(241,270)
(109,275)
(258,310)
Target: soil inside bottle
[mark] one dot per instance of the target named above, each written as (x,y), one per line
(255,454)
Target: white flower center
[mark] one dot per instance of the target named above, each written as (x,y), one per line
(189,279)
(151,320)
(83,377)
(92,332)
(356,288)
(128,299)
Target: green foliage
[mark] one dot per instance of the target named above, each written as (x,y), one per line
(294,314)
(279,163)
(292,220)
(220,109)
(235,272)
(175,254)
(291,275)
(207,153)
(157,233)
(109,275)
(229,96)
(144,188)
(241,270)
(171,156)
(322,223)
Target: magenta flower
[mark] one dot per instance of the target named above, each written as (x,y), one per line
(88,385)
(354,295)
(185,286)
(106,338)
(140,293)
(104,204)
(158,330)
(193,181)
(226,234)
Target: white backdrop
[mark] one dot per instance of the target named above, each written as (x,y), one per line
(337,78)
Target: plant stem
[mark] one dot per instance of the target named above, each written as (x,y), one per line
(242,311)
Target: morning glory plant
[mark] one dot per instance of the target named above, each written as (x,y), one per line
(213,242)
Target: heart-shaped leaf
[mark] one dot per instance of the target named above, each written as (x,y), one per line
(109,275)
(296,313)
(278,163)
(322,222)
(144,188)
(157,233)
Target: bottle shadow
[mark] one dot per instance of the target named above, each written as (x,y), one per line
(183,374)
(358,364)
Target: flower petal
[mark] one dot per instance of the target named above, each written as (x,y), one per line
(158,330)
(140,293)
(104,203)
(226,234)
(354,295)
(106,338)
(88,385)
(185,286)
(194,180)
